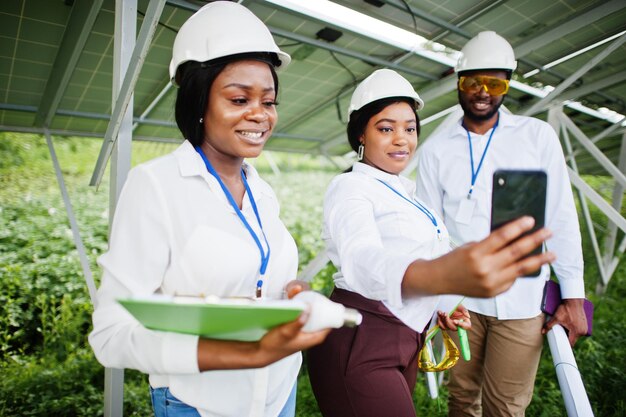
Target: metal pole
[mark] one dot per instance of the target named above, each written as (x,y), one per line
(82,254)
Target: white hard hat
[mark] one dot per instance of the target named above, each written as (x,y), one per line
(383,83)
(487,50)
(220,29)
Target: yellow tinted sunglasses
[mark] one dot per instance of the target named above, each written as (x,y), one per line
(493,86)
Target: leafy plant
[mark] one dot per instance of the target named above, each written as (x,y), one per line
(46,364)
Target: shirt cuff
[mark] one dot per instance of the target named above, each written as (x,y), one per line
(396,268)
(572,288)
(180,353)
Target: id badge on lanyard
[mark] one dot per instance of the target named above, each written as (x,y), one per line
(467,205)
(466,211)
(265,254)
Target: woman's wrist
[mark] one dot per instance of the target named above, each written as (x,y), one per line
(260,358)
(222,354)
(425,277)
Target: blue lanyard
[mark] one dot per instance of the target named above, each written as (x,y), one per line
(417,204)
(265,257)
(482,158)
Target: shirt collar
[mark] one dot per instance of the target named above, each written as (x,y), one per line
(190,163)
(371,171)
(506,120)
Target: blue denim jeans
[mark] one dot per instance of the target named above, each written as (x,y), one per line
(289,410)
(165,404)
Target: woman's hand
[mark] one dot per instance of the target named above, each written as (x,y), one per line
(296,286)
(481,269)
(460,317)
(287,339)
(493,264)
(278,343)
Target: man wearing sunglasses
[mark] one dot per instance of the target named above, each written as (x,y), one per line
(455,172)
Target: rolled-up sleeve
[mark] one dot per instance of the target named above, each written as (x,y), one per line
(135,264)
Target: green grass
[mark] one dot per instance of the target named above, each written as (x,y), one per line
(47,367)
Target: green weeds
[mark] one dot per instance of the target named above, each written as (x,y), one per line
(47,366)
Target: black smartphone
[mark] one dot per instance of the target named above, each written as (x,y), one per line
(518,193)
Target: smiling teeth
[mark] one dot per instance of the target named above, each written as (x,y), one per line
(251,135)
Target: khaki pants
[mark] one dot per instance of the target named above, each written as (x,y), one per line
(500,377)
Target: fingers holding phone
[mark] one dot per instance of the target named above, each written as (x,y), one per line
(495,262)
(519,258)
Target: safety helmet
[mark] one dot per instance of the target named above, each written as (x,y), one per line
(487,50)
(221,29)
(383,83)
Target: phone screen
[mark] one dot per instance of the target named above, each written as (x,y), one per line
(519,193)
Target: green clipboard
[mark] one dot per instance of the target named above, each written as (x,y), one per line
(229,319)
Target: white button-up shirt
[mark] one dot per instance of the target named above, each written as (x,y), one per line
(174,232)
(372,235)
(443,180)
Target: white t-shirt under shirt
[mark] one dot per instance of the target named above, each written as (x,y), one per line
(174,232)
(443,182)
(372,235)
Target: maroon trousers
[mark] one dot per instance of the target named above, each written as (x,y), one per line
(368,370)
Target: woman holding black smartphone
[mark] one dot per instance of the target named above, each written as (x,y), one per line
(391,252)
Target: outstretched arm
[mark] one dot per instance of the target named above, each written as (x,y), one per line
(480,269)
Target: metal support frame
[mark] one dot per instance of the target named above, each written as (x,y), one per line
(152,105)
(332,48)
(541,104)
(448,26)
(613,129)
(81,21)
(353,54)
(553,119)
(608,131)
(608,261)
(602,159)
(332,159)
(610,212)
(127,59)
(78,241)
(480,9)
(448,83)
(146,33)
(272,162)
(591,87)
(570,26)
(611,258)
(343,92)
(136,120)
(63,132)
(314,266)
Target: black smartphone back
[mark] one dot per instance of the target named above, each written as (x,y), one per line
(518,193)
